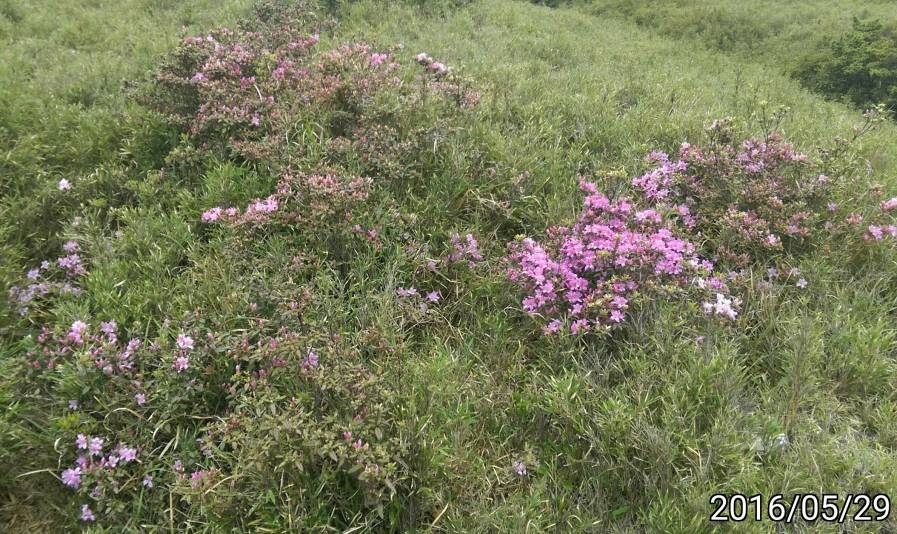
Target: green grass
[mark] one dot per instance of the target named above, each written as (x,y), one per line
(629,435)
(772,33)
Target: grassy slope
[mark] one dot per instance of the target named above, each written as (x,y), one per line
(657,428)
(62,65)
(64,114)
(62,68)
(648,429)
(775,33)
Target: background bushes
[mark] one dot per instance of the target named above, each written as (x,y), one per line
(860,67)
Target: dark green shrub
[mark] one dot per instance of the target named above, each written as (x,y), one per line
(860,67)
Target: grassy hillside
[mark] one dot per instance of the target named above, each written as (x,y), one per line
(817,42)
(773,33)
(344,353)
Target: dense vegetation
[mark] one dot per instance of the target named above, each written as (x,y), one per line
(860,67)
(844,50)
(463,266)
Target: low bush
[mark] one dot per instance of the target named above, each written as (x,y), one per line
(860,67)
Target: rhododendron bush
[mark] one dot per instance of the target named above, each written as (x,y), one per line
(735,204)
(247,93)
(757,199)
(202,411)
(208,412)
(586,276)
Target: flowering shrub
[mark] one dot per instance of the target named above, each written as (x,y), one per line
(270,400)
(248,91)
(314,202)
(332,421)
(102,346)
(586,276)
(752,200)
(246,94)
(44,280)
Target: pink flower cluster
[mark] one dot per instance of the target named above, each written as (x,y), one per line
(464,250)
(586,276)
(310,199)
(421,302)
(97,466)
(108,354)
(887,228)
(431,64)
(41,282)
(749,200)
(246,83)
(185,344)
(724,306)
(86,465)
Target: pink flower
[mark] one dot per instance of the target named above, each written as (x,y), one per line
(81,441)
(801,283)
(877,232)
(405,293)
(73,405)
(71,247)
(211,215)
(72,265)
(519,468)
(553,326)
(181,363)
(96,446)
(148,481)
(433,296)
(128,454)
(377,59)
(72,477)
(437,67)
(75,335)
(889,204)
(64,185)
(86,513)
(185,342)
(140,398)
(723,306)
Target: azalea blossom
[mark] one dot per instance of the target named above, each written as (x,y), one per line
(185,342)
(723,306)
(181,363)
(87,513)
(96,446)
(72,477)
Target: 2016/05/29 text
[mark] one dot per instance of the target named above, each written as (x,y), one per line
(803,507)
